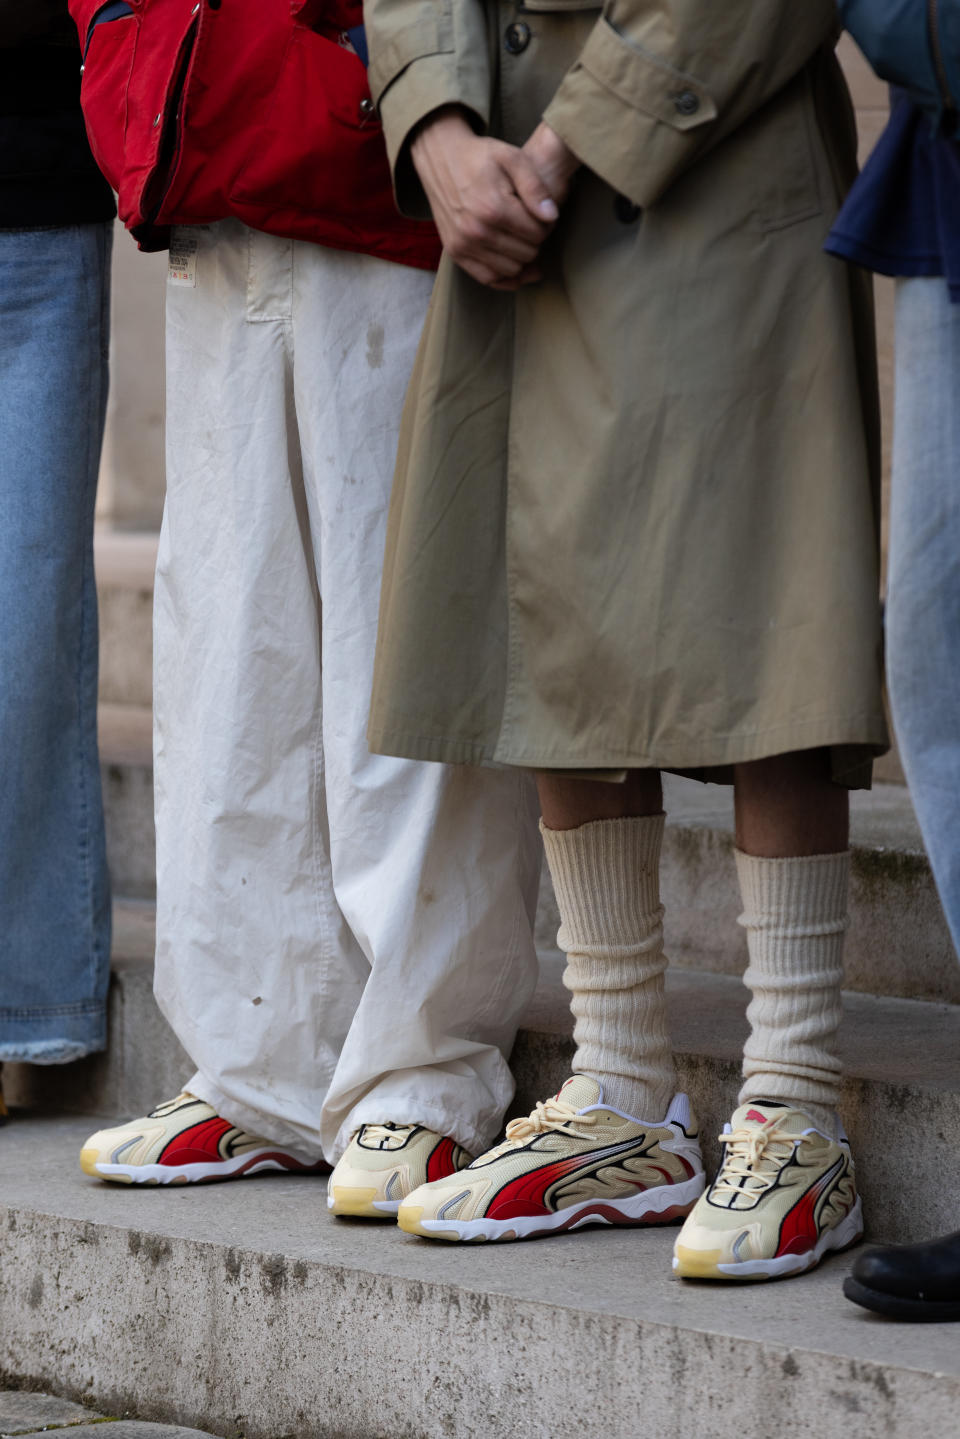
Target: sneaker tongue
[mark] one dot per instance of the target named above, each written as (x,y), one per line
(758,1111)
(581,1091)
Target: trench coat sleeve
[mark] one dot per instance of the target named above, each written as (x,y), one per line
(425,54)
(660,81)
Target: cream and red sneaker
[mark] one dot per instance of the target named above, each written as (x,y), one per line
(784,1197)
(574,1161)
(383,1162)
(183,1142)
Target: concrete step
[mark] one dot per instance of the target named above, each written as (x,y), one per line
(898,943)
(126,768)
(143,1064)
(246,1309)
(901,1095)
(124,566)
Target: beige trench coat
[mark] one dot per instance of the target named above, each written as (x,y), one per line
(634,520)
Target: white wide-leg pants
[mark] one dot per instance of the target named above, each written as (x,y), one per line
(341,937)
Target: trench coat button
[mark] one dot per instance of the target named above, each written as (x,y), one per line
(686,103)
(157,119)
(367,107)
(625,210)
(516,37)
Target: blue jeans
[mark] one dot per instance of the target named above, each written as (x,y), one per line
(54,890)
(923,593)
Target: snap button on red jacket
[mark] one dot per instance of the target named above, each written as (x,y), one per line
(199,109)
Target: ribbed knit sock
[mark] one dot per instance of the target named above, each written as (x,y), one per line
(795,915)
(606,876)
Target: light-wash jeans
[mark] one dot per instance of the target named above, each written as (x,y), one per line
(342,938)
(923,597)
(54,893)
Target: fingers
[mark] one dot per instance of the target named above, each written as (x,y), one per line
(531,188)
(500,225)
(553,161)
(491,207)
(499,274)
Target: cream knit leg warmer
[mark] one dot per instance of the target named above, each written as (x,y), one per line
(606,876)
(795,915)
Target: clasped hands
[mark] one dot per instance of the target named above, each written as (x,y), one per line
(494,204)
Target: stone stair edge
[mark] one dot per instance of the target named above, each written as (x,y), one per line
(277,1286)
(901,1094)
(882,820)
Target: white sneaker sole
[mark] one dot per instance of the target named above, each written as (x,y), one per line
(243,1166)
(847,1232)
(651,1206)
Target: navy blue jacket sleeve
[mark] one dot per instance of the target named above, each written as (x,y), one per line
(914,44)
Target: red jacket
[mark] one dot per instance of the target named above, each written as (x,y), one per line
(198,109)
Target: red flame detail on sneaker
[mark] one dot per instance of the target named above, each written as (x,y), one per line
(200,1144)
(440,1163)
(799,1231)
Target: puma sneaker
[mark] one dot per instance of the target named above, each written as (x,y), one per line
(184,1142)
(383,1162)
(784,1197)
(574,1161)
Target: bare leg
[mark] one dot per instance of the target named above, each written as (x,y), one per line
(787,806)
(568,802)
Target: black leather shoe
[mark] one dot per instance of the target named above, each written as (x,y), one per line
(916,1282)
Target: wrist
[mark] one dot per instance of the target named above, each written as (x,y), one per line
(552,153)
(449,120)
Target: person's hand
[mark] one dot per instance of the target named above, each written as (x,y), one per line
(554,162)
(491,206)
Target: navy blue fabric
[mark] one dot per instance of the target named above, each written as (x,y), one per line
(894,35)
(358,39)
(902,216)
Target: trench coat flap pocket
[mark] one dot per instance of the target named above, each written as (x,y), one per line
(419,62)
(428,32)
(646,82)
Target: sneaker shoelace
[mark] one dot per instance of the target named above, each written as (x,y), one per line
(550,1116)
(387,1136)
(753,1158)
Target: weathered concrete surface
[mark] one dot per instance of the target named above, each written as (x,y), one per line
(248,1305)
(144,1062)
(901,1094)
(125,564)
(126,1429)
(24,1412)
(131,471)
(898,943)
(126,767)
(25,1415)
